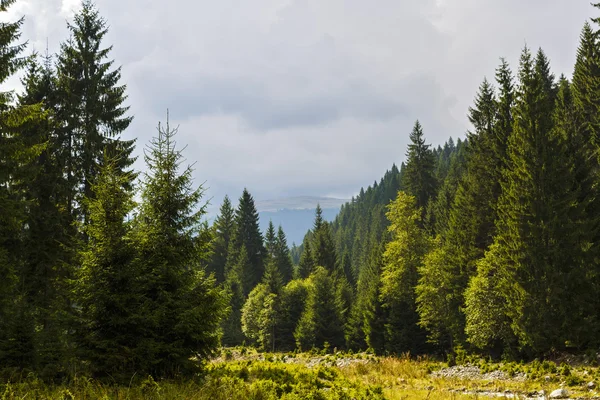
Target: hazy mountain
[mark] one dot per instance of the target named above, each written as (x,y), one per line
(296,214)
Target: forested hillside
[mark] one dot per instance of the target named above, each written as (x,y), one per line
(488,244)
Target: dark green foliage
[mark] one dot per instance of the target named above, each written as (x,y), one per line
(362,224)
(292,304)
(20,146)
(283,258)
(91,107)
(323,249)
(108,294)
(367,320)
(307,262)
(321,320)
(402,258)
(270,240)
(224,228)
(467,227)
(438,209)
(181,308)
(232,325)
(247,234)
(536,209)
(419,178)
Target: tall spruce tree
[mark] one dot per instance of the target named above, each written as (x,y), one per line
(400,274)
(234,286)
(471,217)
(321,321)
(17,154)
(247,234)
(534,208)
(270,240)
(108,293)
(181,306)
(323,249)
(419,178)
(283,257)
(224,227)
(91,105)
(306,265)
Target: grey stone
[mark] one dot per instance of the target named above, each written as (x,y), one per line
(559,394)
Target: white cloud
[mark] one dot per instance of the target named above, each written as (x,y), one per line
(69,7)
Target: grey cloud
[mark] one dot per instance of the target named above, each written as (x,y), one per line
(293,97)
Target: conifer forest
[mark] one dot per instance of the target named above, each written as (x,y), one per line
(483,251)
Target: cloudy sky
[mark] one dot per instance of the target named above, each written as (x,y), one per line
(309,97)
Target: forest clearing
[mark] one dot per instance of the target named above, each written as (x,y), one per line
(243,373)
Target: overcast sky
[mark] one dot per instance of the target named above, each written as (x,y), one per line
(309,97)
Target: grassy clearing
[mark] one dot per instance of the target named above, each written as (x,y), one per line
(246,374)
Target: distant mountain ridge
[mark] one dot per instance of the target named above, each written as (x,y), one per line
(299,203)
(296,214)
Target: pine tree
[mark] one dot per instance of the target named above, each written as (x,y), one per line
(471,217)
(307,262)
(586,85)
(324,254)
(534,215)
(234,286)
(270,240)
(247,234)
(402,258)
(107,282)
(16,155)
(182,309)
(224,228)
(320,323)
(49,259)
(419,178)
(91,105)
(283,257)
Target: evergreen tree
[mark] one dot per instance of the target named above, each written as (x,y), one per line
(107,286)
(534,215)
(91,104)
(283,257)
(48,238)
(586,85)
(182,309)
(419,178)
(471,218)
(324,253)
(224,228)
(402,258)
(247,234)
(307,262)
(17,153)
(292,304)
(272,278)
(270,240)
(234,286)
(321,322)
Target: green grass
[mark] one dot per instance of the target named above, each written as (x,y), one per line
(247,374)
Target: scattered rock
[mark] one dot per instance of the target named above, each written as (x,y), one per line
(591,385)
(473,372)
(559,394)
